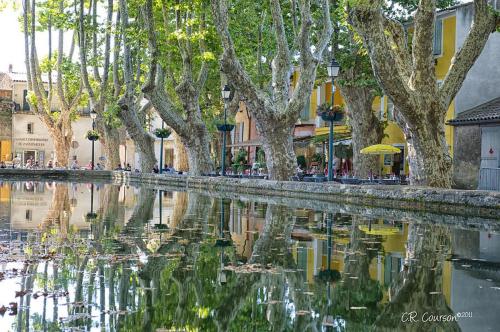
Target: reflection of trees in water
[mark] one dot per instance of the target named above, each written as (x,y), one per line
(177,287)
(59,211)
(357,289)
(419,286)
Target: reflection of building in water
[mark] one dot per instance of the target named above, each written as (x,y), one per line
(4,205)
(246,222)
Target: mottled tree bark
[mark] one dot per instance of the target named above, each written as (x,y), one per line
(277,114)
(180,155)
(130,104)
(408,78)
(367,129)
(190,127)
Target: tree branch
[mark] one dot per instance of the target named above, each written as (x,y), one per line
(95,54)
(309,62)
(282,63)
(369,22)
(423,74)
(229,61)
(485,22)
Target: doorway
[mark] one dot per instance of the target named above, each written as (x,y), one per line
(398,165)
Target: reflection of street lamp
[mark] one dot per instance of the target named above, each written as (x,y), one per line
(222,241)
(222,278)
(329,275)
(331,116)
(224,128)
(160,225)
(93,115)
(91,216)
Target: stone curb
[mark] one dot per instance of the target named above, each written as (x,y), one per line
(474,203)
(465,202)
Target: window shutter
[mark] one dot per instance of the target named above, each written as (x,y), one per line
(438,37)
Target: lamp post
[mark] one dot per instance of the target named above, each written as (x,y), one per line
(93,115)
(161,148)
(333,71)
(224,128)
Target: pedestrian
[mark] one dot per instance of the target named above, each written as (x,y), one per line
(49,164)
(119,168)
(156,169)
(2,164)
(128,167)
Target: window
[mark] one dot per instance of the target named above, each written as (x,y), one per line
(29,215)
(26,105)
(382,110)
(390,110)
(304,114)
(438,38)
(241,131)
(30,128)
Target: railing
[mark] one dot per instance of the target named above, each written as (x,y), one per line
(489,179)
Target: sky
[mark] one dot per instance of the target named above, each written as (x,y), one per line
(12,40)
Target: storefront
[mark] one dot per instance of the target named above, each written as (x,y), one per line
(36,149)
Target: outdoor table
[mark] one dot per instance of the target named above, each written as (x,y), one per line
(350,181)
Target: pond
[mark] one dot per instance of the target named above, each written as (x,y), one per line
(106,257)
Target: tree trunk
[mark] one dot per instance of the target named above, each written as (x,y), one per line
(111,147)
(197,144)
(62,145)
(429,158)
(143,141)
(180,155)
(277,143)
(366,128)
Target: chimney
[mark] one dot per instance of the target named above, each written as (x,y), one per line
(10,68)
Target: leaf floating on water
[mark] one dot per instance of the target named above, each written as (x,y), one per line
(302,312)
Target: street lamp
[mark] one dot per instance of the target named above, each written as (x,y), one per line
(93,116)
(331,116)
(224,128)
(161,148)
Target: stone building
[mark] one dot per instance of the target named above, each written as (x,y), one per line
(476,121)
(28,136)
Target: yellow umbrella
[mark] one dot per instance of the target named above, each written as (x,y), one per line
(380,149)
(379,229)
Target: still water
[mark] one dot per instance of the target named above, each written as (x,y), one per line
(103,257)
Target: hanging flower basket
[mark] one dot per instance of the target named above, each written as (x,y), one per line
(91,216)
(162,132)
(92,135)
(225,127)
(335,114)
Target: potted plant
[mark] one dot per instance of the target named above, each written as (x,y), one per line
(225,127)
(92,135)
(328,113)
(162,132)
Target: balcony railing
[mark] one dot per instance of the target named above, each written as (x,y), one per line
(489,179)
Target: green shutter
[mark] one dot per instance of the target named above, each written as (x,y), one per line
(438,37)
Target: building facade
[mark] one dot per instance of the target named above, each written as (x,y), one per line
(28,137)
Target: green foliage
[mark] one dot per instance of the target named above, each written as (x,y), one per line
(318,158)
(301,161)
(240,161)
